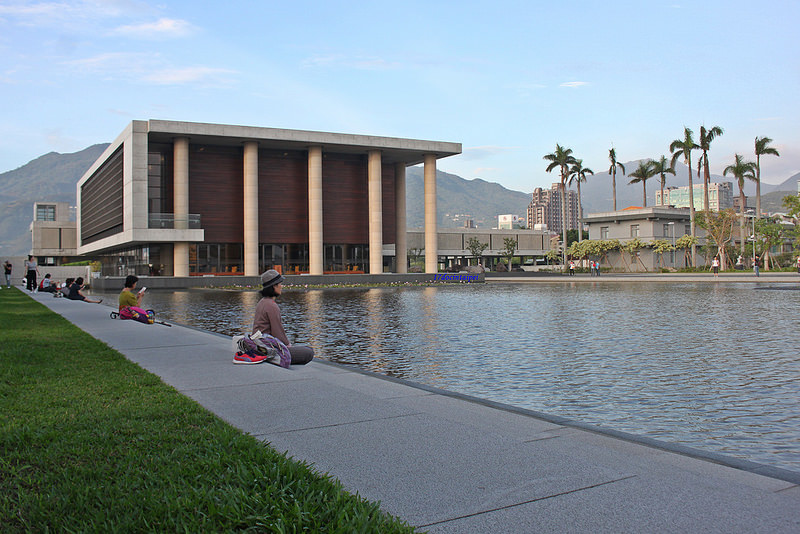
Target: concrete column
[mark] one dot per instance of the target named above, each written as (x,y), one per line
(375,193)
(400,238)
(180,206)
(315,249)
(251,208)
(431,229)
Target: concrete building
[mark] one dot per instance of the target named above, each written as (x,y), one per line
(647,224)
(53,233)
(452,244)
(720,196)
(182,198)
(546,207)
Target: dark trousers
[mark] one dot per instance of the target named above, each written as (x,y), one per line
(301,354)
(31,277)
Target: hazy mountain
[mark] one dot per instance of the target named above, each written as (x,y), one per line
(455,197)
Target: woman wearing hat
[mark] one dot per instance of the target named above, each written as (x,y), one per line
(268,317)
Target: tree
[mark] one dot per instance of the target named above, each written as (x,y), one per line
(661,167)
(683,147)
(762,149)
(612,155)
(719,227)
(741,169)
(578,174)
(476,248)
(660,246)
(509,248)
(643,172)
(706,136)
(768,234)
(685,243)
(632,247)
(792,205)
(562,158)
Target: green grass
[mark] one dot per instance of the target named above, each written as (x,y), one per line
(91,442)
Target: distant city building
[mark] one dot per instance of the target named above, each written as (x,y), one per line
(469,223)
(510,222)
(545,208)
(54,235)
(720,196)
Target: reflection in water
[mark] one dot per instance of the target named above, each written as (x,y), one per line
(713,366)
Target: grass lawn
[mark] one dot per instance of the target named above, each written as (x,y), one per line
(92,442)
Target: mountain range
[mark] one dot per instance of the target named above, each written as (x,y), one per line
(53,177)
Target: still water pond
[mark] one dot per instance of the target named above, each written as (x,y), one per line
(712,366)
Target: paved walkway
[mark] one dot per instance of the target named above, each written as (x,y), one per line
(448,463)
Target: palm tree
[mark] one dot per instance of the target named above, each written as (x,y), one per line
(612,155)
(562,158)
(578,174)
(740,170)
(706,136)
(683,147)
(661,167)
(761,149)
(643,172)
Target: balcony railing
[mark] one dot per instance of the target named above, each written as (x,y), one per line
(169,220)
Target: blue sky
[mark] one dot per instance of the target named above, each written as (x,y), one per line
(506,79)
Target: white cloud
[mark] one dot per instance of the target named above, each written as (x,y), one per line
(160,29)
(66,14)
(573,84)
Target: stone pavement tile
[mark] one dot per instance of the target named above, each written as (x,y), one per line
(426,469)
(295,404)
(483,417)
(638,505)
(369,384)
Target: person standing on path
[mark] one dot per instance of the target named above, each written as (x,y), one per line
(756,259)
(268,317)
(32,268)
(715,266)
(798,264)
(7,269)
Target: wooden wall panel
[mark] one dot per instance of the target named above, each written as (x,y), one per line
(215,191)
(389,206)
(344,199)
(282,197)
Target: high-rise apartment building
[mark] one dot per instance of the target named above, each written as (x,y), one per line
(720,196)
(546,207)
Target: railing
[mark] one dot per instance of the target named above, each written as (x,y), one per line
(169,220)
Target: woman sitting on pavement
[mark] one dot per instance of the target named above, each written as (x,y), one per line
(127,297)
(268,317)
(75,292)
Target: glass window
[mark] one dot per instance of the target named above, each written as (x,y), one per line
(634,230)
(45,212)
(604,232)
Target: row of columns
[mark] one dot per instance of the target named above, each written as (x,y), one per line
(315,216)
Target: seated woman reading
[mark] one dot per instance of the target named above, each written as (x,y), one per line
(129,296)
(268,317)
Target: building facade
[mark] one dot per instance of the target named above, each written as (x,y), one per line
(546,207)
(181,198)
(646,224)
(53,233)
(720,196)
